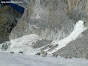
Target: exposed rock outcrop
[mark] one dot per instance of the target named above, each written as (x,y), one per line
(8,20)
(52,20)
(46,18)
(77,48)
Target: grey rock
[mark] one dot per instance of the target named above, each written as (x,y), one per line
(22,3)
(37,53)
(11,52)
(77,48)
(41,43)
(43,53)
(8,20)
(47,19)
(20,52)
(52,20)
(5,45)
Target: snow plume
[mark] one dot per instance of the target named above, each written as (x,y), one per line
(78,29)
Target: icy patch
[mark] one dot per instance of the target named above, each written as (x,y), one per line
(25,43)
(38,11)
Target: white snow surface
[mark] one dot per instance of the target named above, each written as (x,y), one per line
(78,29)
(7,59)
(24,44)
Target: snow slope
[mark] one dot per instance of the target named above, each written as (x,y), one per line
(78,29)
(23,44)
(25,60)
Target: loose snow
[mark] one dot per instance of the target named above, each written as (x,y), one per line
(78,29)
(23,44)
(7,59)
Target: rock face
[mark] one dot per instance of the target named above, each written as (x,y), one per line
(46,18)
(41,43)
(77,48)
(0,5)
(8,19)
(50,19)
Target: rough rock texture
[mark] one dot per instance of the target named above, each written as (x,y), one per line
(41,43)
(77,48)
(50,19)
(4,46)
(8,19)
(54,19)
(46,18)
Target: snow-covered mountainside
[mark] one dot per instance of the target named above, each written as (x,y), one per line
(78,29)
(50,28)
(46,18)
(25,60)
(25,44)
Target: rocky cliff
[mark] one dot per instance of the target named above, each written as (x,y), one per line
(8,19)
(52,20)
(77,48)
